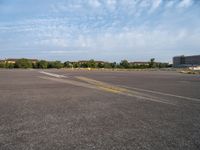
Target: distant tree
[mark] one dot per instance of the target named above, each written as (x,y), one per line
(10,65)
(100,65)
(67,64)
(2,65)
(42,64)
(107,65)
(58,64)
(55,64)
(83,65)
(118,65)
(50,64)
(124,64)
(23,63)
(75,64)
(169,65)
(114,65)
(35,65)
(91,63)
(152,63)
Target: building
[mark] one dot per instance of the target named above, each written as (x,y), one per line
(88,61)
(139,63)
(13,61)
(10,61)
(186,61)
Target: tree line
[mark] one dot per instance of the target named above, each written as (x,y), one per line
(43,64)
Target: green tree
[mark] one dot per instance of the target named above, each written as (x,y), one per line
(152,63)
(42,64)
(114,65)
(67,64)
(84,65)
(10,65)
(76,65)
(23,63)
(55,64)
(58,64)
(107,65)
(2,65)
(35,65)
(124,64)
(91,63)
(100,65)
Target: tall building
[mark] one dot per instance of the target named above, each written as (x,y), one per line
(186,61)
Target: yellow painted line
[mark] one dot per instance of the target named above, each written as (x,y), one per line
(123,91)
(109,90)
(102,84)
(164,94)
(106,87)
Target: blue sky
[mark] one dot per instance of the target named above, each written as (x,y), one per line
(109,30)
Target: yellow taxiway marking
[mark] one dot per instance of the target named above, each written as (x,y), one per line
(162,93)
(98,85)
(101,84)
(123,91)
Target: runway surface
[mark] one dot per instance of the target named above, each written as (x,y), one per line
(78,109)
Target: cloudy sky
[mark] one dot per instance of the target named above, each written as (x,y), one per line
(100,29)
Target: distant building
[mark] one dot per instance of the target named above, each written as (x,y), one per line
(10,61)
(139,63)
(146,63)
(88,61)
(186,61)
(13,61)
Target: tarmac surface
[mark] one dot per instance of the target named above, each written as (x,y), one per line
(77,109)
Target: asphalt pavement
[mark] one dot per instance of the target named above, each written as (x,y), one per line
(80,109)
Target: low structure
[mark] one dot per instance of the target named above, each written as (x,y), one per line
(186,61)
(139,63)
(195,68)
(13,61)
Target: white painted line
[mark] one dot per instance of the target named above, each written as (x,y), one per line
(162,93)
(86,85)
(53,74)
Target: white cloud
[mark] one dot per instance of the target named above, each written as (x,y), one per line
(61,52)
(145,3)
(110,26)
(170,4)
(111,4)
(94,3)
(155,5)
(185,3)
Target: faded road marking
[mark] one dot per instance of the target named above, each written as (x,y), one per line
(53,74)
(162,93)
(123,91)
(86,85)
(101,84)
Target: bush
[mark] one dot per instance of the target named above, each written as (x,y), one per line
(124,64)
(2,65)
(55,64)
(67,64)
(42,64)
(23,63)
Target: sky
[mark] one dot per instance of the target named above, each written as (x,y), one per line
(110,30)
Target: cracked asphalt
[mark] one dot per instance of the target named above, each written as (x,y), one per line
(77,109)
